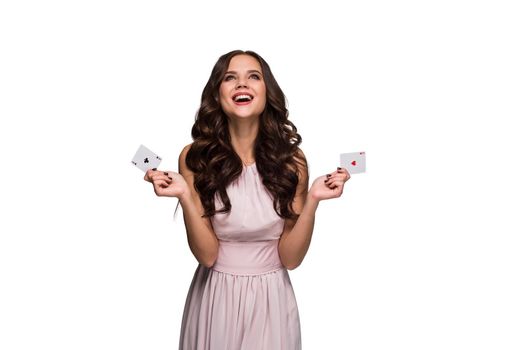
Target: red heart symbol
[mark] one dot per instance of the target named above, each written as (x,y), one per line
(354,163)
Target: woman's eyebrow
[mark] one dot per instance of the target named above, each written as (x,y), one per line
(250,71)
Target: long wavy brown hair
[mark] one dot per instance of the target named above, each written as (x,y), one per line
(215,163)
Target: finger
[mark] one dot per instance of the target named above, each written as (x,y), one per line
(336,183)
(162,177)
(343,171)
(163,181)
(149,174)
(330,175)
(330,180)
(338,176)
(337,190)
(159,186)
(168,175)
(341,176)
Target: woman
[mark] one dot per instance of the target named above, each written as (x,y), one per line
(249,216)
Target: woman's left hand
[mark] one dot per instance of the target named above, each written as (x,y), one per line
(330,185)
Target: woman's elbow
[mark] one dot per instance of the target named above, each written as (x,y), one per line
(208,261)
(292,266)
(208,264)
(205,257)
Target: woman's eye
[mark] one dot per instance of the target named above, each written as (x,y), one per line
(255,76)
(228,77)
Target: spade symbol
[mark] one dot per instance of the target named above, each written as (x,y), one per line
(354,163)
(146,160)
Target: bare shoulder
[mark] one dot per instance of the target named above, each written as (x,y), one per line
(183,169)
(300,160)
(302,166)
(185,151)
(299,155)
(189,176)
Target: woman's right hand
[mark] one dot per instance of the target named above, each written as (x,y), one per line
(167,183)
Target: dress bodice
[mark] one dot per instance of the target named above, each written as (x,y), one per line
(252,217)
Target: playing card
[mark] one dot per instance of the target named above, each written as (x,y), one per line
(354,162)
(145,159)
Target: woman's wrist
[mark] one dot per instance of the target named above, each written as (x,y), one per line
(185,198)
(312,200)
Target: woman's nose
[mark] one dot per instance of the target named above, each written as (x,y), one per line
(241,83)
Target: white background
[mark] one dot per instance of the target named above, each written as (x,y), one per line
(424,251)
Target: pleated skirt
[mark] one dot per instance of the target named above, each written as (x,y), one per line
(232,311)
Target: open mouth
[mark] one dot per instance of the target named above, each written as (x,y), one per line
(242,98)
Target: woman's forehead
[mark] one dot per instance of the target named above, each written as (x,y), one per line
(244,62)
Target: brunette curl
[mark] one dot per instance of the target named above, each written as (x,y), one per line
(215,163)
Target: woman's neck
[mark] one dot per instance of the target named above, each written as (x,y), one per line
(243,134)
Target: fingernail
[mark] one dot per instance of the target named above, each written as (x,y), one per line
(170,178)
(328,175)
(154,169)
(326,180)
(165,173)
(338,168)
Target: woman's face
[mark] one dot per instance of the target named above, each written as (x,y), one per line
(242,91)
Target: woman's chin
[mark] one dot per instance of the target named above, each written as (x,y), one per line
(244,114)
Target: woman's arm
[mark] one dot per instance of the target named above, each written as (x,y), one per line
(201,237)
(297,234)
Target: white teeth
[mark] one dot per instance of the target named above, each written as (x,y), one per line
(238,97)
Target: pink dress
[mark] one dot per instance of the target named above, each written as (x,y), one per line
(246,300)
